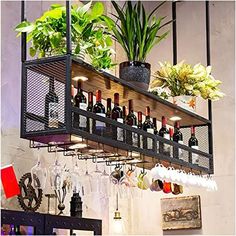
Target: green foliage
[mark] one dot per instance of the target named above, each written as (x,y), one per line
(135,30)
(185,79)
(89,32)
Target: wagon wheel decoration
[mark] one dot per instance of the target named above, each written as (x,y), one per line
(29,197)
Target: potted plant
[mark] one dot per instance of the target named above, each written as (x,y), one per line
(136,31)
(89,33)
(184,82)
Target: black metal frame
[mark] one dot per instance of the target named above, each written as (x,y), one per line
(69,109)
(44,223)
(208,54)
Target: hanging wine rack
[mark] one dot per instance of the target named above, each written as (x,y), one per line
(68,139)
(63,69)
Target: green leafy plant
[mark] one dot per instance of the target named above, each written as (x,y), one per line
(89,32)
(185,79)
(135,30)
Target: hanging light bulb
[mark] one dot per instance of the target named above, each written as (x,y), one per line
(118,225)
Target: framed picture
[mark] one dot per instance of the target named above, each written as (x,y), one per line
(181,213)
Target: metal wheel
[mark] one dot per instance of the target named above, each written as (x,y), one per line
(29,198)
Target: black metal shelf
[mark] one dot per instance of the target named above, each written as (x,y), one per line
(109,84)
(147,157)
(44,223)
(63,69)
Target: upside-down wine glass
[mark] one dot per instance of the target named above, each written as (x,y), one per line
(39,174)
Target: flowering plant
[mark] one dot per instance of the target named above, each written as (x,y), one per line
(185,79)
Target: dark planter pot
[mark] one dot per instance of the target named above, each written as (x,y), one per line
(136,72)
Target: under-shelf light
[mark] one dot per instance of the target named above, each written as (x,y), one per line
(76,139)
(118,225)
(175,118)
(82,78)
(78,146)
(96,151)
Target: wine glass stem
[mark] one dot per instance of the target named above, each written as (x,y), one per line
(38,157)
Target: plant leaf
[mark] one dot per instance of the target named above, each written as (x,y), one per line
(55,39)
(77,26)
(54,6)
(55,14)
(108,41)
(77,49)
(25,26)
(155,9)
(84,8)
(97,10)
(32,51)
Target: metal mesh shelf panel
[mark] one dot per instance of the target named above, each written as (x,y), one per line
(37,77)
(201,133)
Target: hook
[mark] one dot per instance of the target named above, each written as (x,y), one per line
(94,159)
(118,166)
(131,169)
(107,162)
(143,170)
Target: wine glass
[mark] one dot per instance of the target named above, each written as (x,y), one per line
(105,183)
(124,184)
(96,178)
(75,175)
(115,176)
(56,171)
(86,181)
(39,172)
(59,182)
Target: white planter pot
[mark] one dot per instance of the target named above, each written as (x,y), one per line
(186,102)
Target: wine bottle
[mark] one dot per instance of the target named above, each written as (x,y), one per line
(118,133)
(90,101)
(124,112)
(154,120)
(193,143)
(132,137)
(90,108)
(72,95)
(116,111)
(99,109)
(123,120)
(17,230)
(108,115)
(12,230)
(140,126)
(149,127)
(131,118)
(80,102)
(164,132)
(171,132)
(140,120)
(177,137)
(51,107)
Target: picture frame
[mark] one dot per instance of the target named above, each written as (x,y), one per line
(181,213)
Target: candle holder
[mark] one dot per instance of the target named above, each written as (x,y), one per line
(51,209)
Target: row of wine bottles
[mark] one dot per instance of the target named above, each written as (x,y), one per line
(117,113)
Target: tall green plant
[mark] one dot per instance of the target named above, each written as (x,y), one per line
(137,31)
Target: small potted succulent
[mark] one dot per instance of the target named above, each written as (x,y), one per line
(137,32)
(183,83)
(89,34)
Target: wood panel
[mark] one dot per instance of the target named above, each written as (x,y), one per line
(109,85)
